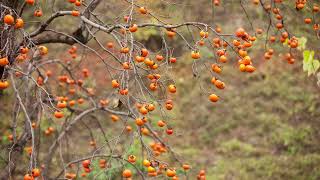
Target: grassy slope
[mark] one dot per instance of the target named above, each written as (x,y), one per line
(264,127)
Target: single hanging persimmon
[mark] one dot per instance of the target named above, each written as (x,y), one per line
(58,114)
(43,50)
(144,52)
(169,131)
(124,50)
(216,68)
(307,20)
(133,28)
(115,83)
(114,118)
(186,167)
(4,84)
(171,33)
(250,68)
(143,110)
(4,61)
(78,3)
(62,104)
(28,177)
(86,163)
(75,13)
(35,172)
(30,2)
(170,172)
(139,122)
(195,55)
(173,60)
(172,88)
(161,123)
(132,159)
(37,13)
(213,98)
(159,57)
(126,173)
(19,23)
(242,67)
(110,45)
(143,10)
(8,19)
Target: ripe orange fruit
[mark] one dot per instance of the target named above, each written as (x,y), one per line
(38,13)
(171,172)
(115,84)
(240,32)
(204,34)
(110,45)
(219,84)
(28,177)
(213,98)
(146,163)
(35,172)
(126,173)
(143,10)
(139,58)
(144,52)
(315,8)
(126,65)
(30,2)
(172,88)
(62,104)
(77,3)
(75,13)
(139,122)
(159,58)
(8,19)
(150,107)
(223,59)
(216,68)
(186,166)
(19,23)
(171,33)
(242,67)
(250,68)
(58,114)
(128,128)
(195,55)
(4,84)
(43,50)
(4,61)
(307,20)
(173,60)
(86,163)
(133,28)
(169,106)
(124,50)
(114,118)
(143,110)
(161,123)
(132,158)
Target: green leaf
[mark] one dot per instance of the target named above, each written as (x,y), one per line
(316,65)
(302,43)
(308,62)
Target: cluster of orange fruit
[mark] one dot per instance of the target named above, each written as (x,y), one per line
(34,173)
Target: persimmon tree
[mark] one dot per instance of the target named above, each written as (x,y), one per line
(53,94)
